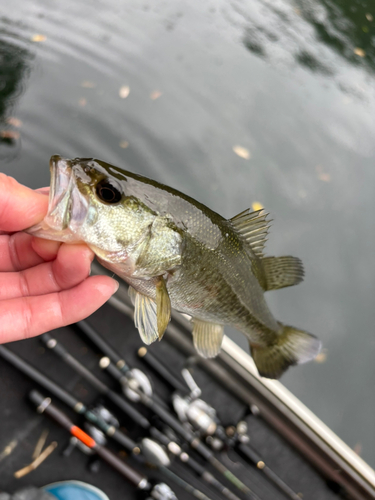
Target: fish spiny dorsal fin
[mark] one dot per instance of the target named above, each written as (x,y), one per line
(253,228)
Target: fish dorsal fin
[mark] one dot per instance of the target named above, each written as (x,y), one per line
(145,318)
(207,338)
(282,271)
(163,307)
(253,228)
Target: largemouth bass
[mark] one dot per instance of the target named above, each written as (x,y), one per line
(175,252)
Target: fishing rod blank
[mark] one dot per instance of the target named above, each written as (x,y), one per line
(65,397)
(158,366)
(106,348)
(120,363)
(52,344)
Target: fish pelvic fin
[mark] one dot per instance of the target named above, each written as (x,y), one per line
(281,272)
(207,338)
(145,318)
(163,307)
(292,347)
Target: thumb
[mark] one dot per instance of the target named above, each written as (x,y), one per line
(20,206)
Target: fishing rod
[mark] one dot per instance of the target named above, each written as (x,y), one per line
(105,421)
(185,433)
(122,375)
(160,410)
(129,373)
(76,405)
(140,481)
(203,417)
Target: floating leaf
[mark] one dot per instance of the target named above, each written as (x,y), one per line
(82,102)
(10,134)
(155,95)
(369,17)
(12,120)
(321,357)
(242,152)
(124,91)
(359,52)
(256,206)
(124,144)
(358,449)
(322,176)
(38,38)
(88,85)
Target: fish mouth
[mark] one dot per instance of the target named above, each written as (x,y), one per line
(62,183)
(63,196)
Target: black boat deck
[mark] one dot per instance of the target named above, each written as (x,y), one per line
(21,424)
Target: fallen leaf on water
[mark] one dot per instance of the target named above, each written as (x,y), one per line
(242,152)
(10,134)
(88,85)
(124,144)
(38,38)
(322,176)
(359,52)
(155,94)
(358,449)
(124,91)
(12,120)
(321,357)
(82,101)
(256,206)
(369,17)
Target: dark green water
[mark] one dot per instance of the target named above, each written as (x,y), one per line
(291,82)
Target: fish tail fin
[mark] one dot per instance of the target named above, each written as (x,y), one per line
(292,347)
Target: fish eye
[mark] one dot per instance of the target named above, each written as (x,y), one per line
(108,191)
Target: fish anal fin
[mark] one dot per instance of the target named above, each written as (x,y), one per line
(163,307)
(207,338)
(283,271)
(253,229)
(145,317)
(292,347)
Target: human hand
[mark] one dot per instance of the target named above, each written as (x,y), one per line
(43,284)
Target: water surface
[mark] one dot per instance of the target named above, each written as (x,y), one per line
(291,83)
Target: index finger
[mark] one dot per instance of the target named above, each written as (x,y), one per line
(20,206)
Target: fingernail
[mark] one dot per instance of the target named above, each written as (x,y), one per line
(116,286)
(43,190)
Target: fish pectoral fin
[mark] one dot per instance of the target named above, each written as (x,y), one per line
(253,228)
(145,317)
(282,271)
(163,307)
(207,338)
